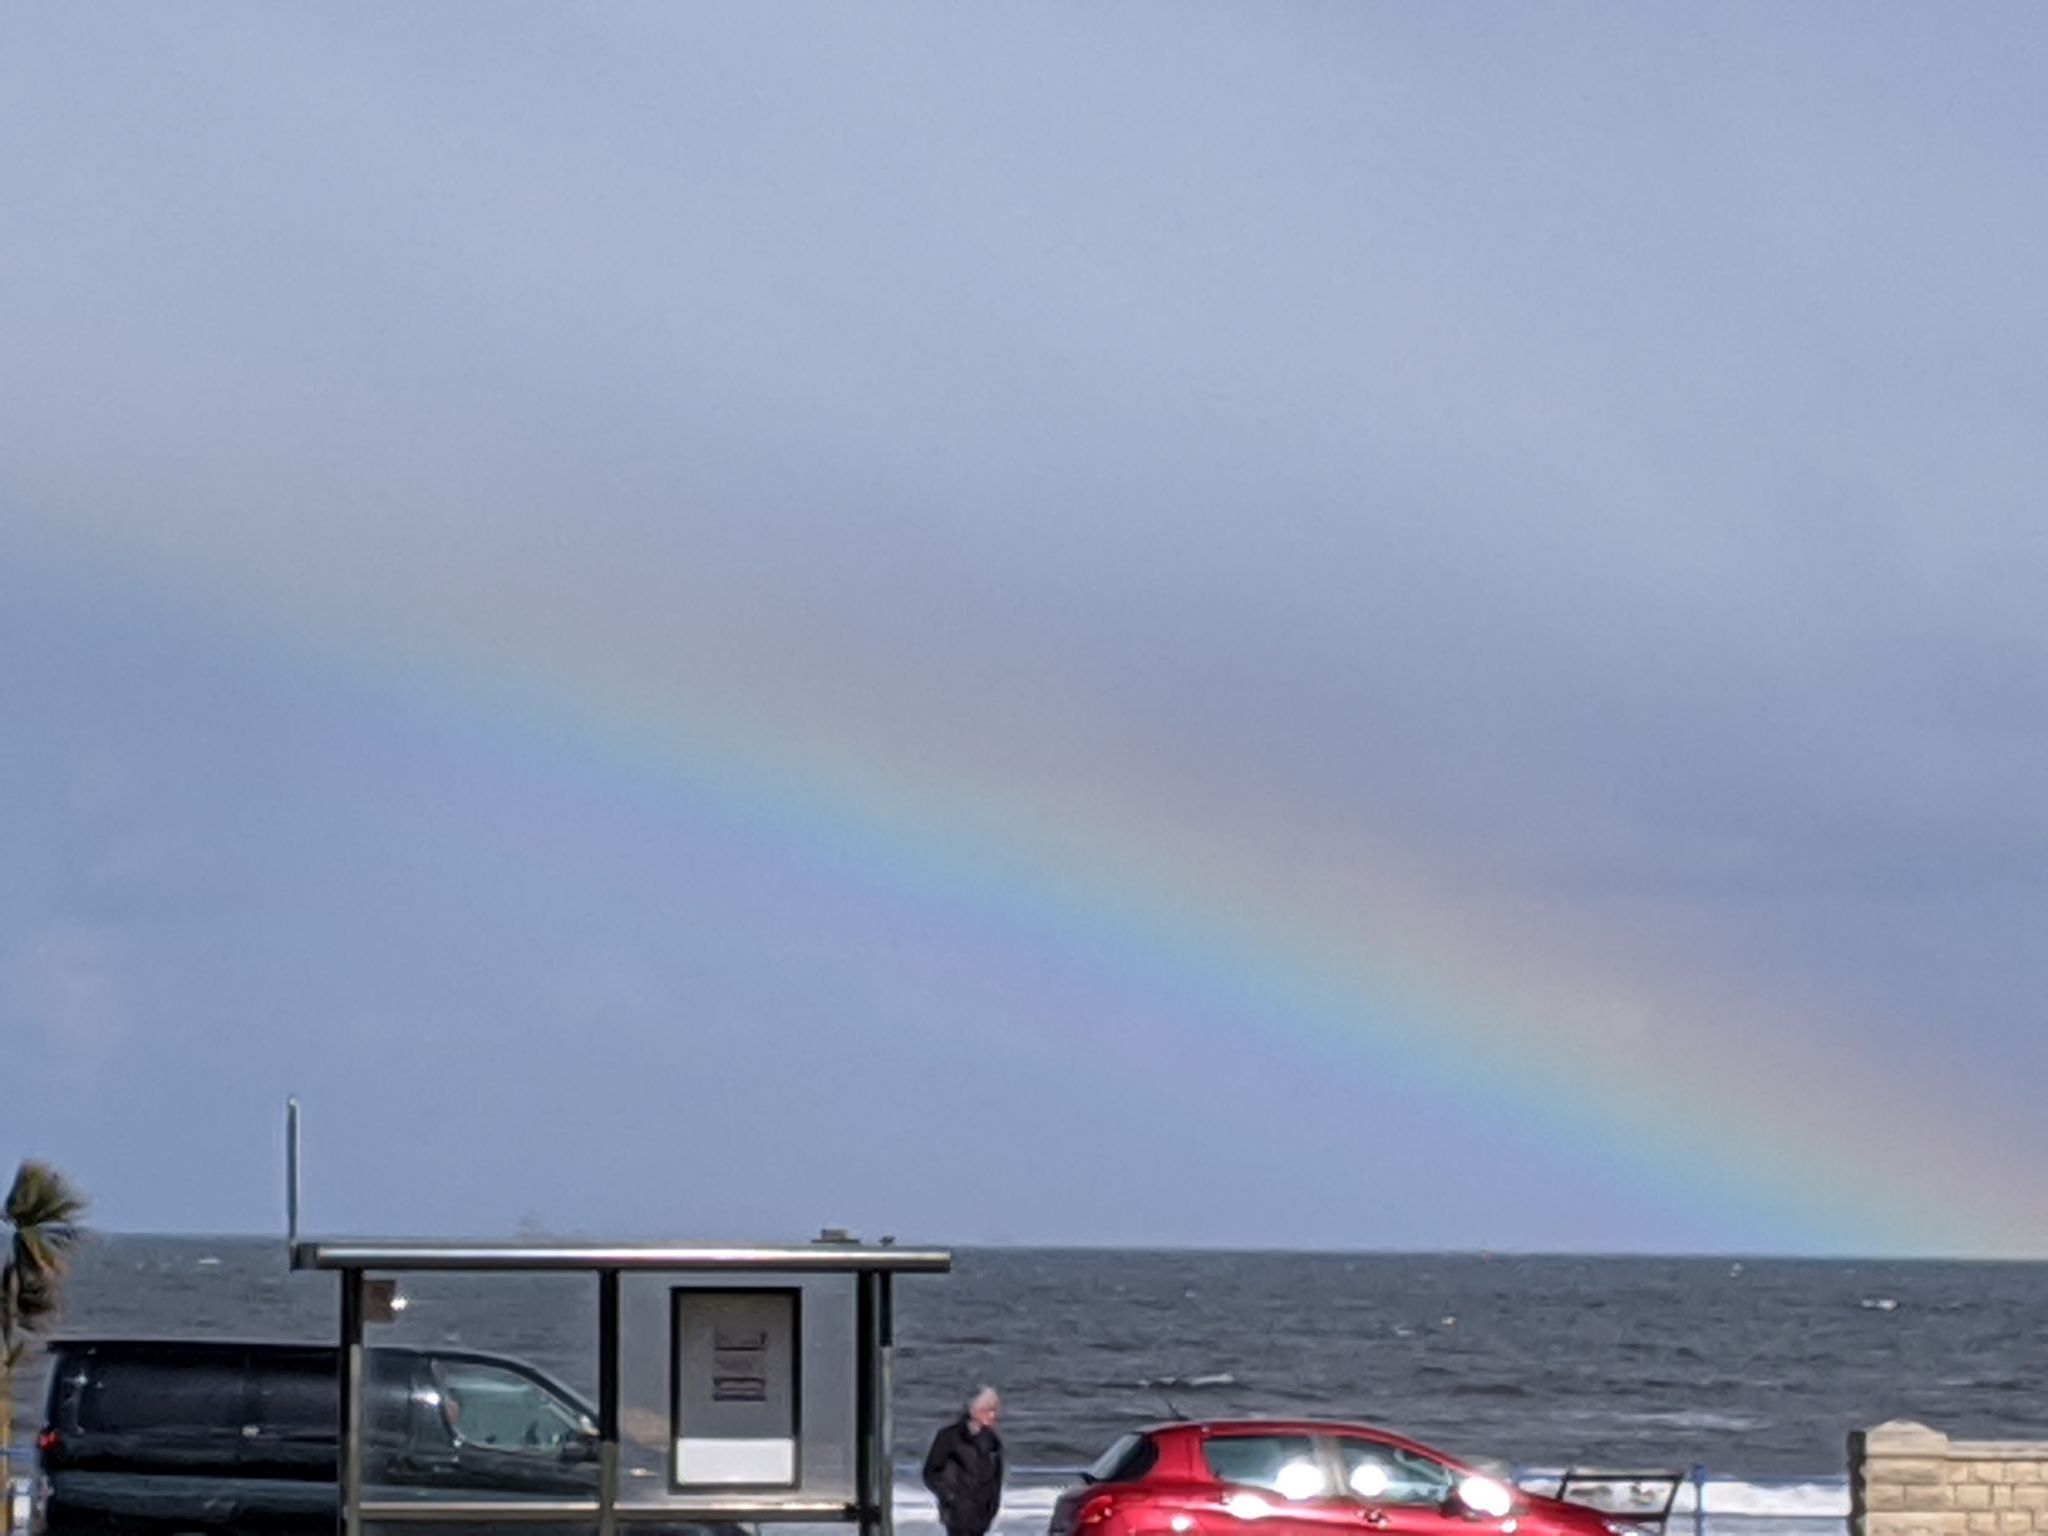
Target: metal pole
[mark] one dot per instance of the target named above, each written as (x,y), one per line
(291,1182)
(607,1400)
(351,1382)
(1699,1499)
(866,1476)
(885,1358)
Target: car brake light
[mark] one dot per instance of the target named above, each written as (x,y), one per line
(1098,1508)
(46,1441)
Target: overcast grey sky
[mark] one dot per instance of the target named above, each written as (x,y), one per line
(1385,626)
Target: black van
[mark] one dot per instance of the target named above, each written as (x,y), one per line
(152,1435)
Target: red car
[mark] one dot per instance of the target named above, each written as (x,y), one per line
(1301,1478)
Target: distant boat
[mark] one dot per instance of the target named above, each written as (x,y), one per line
(210,1261)
(1879,1304)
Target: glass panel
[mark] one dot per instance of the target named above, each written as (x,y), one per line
(297,1398)
(1387,1474)
(497,1407)
(1130,1458)
(481,1387)
(1282,1464)
(721,1399)
(194,1392)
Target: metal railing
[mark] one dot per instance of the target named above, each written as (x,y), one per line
(1639,1505)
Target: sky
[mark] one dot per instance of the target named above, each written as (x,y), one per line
(1390,627)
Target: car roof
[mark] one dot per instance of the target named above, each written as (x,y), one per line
(142,1344)
(134,1345)
(1257,1426)
(156,1341)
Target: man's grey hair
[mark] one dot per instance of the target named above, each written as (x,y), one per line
(983,1395)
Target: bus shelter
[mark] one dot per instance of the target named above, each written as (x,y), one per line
(734,1384)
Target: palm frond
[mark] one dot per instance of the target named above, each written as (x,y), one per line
(44,1211)
(42,1199)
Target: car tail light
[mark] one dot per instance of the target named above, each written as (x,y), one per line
(1095,1509)
(46,1442)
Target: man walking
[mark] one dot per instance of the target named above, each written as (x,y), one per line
(964,1468)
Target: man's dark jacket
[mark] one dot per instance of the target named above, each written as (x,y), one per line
(964,1470)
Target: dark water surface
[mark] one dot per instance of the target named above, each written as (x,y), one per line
(1758,1370)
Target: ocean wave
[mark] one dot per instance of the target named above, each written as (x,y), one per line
(1805,1501)
(1502,1390)
(1695,1419)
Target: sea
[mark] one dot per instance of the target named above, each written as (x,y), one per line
(1743,1378)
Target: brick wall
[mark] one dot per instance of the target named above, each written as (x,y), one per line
(1909,1480)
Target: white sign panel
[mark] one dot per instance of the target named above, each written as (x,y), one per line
(736,1389)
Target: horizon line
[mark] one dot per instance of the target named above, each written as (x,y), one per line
(1169,1249)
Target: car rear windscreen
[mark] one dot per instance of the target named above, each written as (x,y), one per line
(1128,1460)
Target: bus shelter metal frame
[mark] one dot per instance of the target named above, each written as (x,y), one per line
(874,1268)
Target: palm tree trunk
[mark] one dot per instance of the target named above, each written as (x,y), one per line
(8,1360)
(6,1438)
(10,1356)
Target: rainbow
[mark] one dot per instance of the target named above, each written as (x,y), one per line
(1348,945)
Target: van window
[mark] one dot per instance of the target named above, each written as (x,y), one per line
(130,1394)
(298,1395)
(488,1405)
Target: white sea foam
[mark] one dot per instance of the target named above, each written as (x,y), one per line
(1781,1499)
